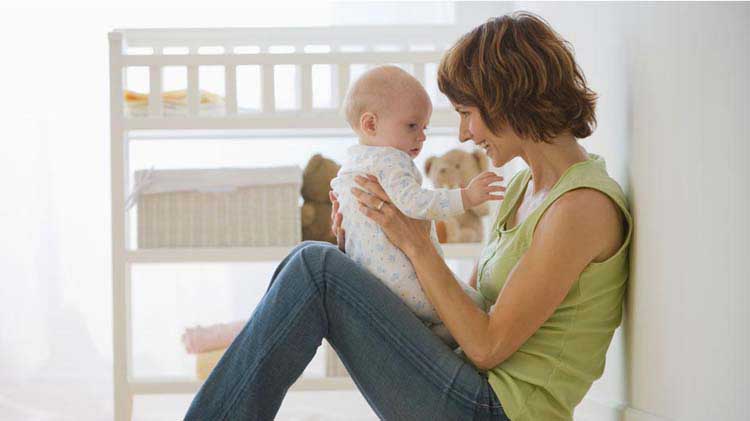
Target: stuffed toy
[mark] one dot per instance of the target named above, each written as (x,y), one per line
(316,210)
(454,170)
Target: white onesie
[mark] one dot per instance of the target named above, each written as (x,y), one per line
(367,244)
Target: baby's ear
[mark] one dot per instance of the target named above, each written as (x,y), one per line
(428,165)
(368,123)
(481,159)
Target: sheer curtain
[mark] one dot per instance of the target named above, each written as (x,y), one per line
(55,302)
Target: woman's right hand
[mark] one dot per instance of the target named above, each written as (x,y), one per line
(336,220)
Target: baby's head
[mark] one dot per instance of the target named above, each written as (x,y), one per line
(387,106)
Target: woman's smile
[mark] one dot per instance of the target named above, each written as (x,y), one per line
(486,146)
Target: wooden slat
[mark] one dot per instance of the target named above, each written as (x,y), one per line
(193,90)
(342,74)
(267,89)
(419,72)
(230,83)
(305,87)
(256,254)
(176,385)
(365,57)
(385,34)
(154,97)
(316,119)
(123,402)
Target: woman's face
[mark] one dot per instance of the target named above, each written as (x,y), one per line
(500,147)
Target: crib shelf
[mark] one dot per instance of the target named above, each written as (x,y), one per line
(261,121)
(341,49)
(153,386)
(208,254)
(256,254)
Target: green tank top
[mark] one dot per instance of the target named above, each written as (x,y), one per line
(552,371)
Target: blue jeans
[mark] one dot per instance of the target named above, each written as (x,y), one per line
(403,370)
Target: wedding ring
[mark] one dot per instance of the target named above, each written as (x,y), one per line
(380,206)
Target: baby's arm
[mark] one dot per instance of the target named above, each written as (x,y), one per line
(401,181)
(480,189)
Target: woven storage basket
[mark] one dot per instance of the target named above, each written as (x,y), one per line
(227,207)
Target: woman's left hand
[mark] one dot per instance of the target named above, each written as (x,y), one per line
(405,233)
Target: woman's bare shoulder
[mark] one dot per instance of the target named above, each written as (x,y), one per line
(596,218)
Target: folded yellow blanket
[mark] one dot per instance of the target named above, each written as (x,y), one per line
(178,97)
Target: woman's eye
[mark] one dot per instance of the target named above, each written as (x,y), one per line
(412,126)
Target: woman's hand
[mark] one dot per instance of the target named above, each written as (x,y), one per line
(336,219)
(409,235)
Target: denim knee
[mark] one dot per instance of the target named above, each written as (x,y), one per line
(317,255)
(306,243)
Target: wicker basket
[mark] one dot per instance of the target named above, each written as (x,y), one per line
(227,207)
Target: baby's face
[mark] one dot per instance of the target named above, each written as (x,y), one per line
(404,125)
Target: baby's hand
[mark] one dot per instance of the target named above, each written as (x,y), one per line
(480,188)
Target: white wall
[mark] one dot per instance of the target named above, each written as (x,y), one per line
(689,330)
(673,124)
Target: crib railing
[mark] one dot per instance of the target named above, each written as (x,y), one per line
(337,50)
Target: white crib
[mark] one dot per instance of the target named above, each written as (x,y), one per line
(417,48)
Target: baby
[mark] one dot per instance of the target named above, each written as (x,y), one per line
(389,111)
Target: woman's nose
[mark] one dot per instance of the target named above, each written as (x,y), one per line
(464,133)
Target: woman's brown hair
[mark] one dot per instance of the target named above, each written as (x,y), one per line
(519,72)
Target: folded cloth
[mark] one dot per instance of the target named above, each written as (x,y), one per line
(206,361)
(209,338)
(173,103)
(172,97)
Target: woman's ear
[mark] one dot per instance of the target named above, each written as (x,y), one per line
(481,159)
(368,123)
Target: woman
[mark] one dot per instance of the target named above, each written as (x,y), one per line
(555,266)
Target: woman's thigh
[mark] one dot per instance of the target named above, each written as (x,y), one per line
(403,369)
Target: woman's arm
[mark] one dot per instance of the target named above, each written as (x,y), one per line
(573,232)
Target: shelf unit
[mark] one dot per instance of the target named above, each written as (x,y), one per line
(254,254)
(338,47)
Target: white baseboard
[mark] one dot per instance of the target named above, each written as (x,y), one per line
(597,410)
(632,414)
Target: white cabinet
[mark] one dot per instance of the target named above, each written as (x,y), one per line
(162,115)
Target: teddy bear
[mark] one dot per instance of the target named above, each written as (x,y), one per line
(316,209)
(453,170)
